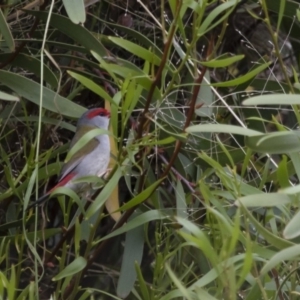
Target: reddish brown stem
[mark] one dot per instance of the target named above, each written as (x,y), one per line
(157,78)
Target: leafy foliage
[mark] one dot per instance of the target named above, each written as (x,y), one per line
(204,119)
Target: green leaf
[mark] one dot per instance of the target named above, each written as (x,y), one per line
(91,85)
(204,294)
(280,14)
(84,140)
(206,97)
(283,173)
(292,190)
(73,268)
(275,142)
(185,293)
(277,260)
(292,229)
(220,268)
(136,50)
(8,97)
(196,236)
(104,194)
(75,10)
(263,200)
(74,31)
(274,99)
(243,78)
(133,93)
(33,65)
(142,283)
(181,206)
(144,195)
(11,288)
(70,193)
(5,31)
(31,91)
(222,128)
(274,240)
(295,162)
(136,222)
(133,253)
(216,13)
(222,63)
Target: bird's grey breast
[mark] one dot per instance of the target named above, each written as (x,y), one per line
(97,162)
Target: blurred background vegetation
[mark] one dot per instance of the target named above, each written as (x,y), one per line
(202,198)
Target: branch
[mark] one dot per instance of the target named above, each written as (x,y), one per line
(157,77)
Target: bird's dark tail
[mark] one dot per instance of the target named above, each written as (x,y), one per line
(39,201)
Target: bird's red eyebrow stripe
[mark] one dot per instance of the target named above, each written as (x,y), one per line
(96,112)
(63,182)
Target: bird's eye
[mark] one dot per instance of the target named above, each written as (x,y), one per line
(102,114)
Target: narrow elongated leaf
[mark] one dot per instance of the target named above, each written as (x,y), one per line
(113,204)
(185,293)
(214,14)
(133,253)
(243,78)
(5,31)
(292,229)
(33,65)
(275,142)
(75,10)
(203,294)
(74,267)
(206,97)
(136,50)
(263,200)
(196,236)
(222,128)
(181,206)
(273,99)
(31,91)
(104,194)
(84,140)
(91,85)
(280,14)
(144,195)
(11,289)
(222,63)
(136,222)
(8,97)
(285,254)
(274,240)
(283,173)
(291,190)
(215,272)
(70,193)
(75,31)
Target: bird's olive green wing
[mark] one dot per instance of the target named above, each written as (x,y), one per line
(80,154)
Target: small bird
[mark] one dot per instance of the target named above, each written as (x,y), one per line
(91,159)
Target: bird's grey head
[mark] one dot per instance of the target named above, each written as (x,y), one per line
(98,117)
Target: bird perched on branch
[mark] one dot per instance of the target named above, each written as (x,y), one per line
(91,159)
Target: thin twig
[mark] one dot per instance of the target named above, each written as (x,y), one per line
(182,178)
